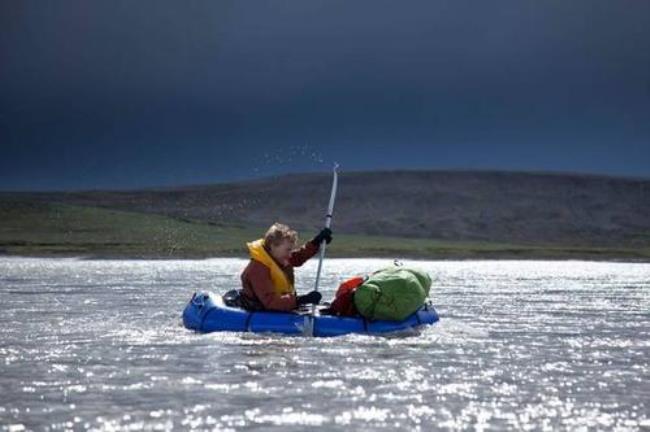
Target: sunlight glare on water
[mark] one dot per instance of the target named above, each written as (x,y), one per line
(98,344)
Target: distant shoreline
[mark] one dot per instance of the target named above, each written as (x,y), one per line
(422,215)
(469,257)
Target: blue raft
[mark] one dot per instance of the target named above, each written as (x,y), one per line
(207,313)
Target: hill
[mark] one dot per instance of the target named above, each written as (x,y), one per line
(502,210)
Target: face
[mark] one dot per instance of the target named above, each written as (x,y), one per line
(282,252)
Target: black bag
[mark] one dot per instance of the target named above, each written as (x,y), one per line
(232,298)
(235,298)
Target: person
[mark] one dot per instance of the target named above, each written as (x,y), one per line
(268,279)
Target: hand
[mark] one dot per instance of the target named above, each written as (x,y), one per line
(312,297)
(325,234)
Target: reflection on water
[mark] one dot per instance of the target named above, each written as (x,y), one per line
(520,345)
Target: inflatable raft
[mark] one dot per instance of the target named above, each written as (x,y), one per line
(207,313)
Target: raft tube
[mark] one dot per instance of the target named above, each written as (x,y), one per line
(207,313)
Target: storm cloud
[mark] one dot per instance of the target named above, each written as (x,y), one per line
(128,94)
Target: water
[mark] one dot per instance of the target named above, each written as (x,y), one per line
(521,345)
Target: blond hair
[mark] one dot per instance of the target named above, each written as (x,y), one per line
(277,233)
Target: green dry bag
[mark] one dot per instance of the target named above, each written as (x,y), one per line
(392,293)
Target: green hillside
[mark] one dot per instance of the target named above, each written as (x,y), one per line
(39,228)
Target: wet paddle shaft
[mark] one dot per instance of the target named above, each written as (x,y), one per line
(328,223)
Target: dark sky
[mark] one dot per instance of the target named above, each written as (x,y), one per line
(117,94)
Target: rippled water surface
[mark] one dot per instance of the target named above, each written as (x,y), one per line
(520,345)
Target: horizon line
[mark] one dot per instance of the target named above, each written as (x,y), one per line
(160,187)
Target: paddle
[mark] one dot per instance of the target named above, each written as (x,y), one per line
(323,245)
